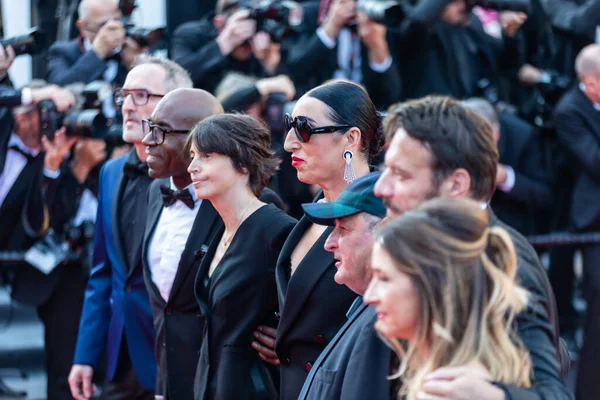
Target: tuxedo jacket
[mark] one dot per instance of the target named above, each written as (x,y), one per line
(116,300)
(577,124)
(69,62)
(354,365)
(179,321)
(240,295)
(312,308)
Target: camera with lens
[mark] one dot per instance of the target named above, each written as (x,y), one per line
(32,43)
(387,12)
(151,38)
(275,17)
(86,120)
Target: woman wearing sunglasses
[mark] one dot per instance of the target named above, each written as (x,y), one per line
(333,131)
(445,293)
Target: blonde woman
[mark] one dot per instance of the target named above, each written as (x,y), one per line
(445,293)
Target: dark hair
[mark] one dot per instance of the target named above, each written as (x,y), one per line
(456,136)
(350,104)
(243,139)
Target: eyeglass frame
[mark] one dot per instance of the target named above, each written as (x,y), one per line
(149,127)
(290,123)
(129,92)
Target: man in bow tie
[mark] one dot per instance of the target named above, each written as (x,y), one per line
(178,226)
(116,314)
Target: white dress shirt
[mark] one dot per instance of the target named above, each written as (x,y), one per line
(109,75)
(14,165)
(168,242)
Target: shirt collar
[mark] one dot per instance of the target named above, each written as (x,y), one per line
(355,304)
(582,88)
(15,140)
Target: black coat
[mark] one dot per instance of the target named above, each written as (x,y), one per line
(68,62)
(526,206)
(577,125)
(240,295)
(537,326)
(355,365)
(312,307)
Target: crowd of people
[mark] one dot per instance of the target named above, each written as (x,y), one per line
(338,212)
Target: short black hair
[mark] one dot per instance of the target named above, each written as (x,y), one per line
(243,139)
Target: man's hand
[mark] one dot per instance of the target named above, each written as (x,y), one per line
(468,382)
(88,154)
(131,49)
(57,149)
(373,35)
(80,381)
(277,84)
(109,38)
(62,98)
(339,14)
(7,56)
(237,30)
(266,51)
(265,344)
(511,21)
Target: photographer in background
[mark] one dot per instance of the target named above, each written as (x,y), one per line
(101,52)
(446,51)
(35,195)
(345,44)
(223,42)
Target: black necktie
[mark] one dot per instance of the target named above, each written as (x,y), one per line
(171,196)
(134,170)
(26,154)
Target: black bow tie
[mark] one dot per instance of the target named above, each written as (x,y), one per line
(26,154)
(134,170)
(171,196)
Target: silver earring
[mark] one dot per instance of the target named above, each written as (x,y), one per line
(349,175)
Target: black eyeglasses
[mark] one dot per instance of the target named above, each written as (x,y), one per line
(140,96)
(158,132)
(303,130)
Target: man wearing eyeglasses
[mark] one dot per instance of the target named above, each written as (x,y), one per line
(116,315)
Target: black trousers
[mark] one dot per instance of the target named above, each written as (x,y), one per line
(589,359)
(125,384)
(60,316)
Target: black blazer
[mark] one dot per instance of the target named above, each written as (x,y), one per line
(178,322)
(312,306)
(526,206)
(68,63)
(354,365)
(241,294)
(577,125)
(537,325)
(306,48)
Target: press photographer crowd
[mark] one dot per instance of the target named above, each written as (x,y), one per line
(334,199)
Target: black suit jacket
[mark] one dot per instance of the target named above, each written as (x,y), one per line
(526,206)
(312,306)
(354,365)
(178,321)
(305,48)
(537,326)
(577,125)
(68,63)
(241,295)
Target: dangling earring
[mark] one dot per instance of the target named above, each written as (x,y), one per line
(349,175)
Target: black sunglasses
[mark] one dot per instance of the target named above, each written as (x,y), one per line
(303,130)
(158,132)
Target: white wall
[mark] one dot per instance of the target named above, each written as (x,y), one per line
(150,13)
(16,17)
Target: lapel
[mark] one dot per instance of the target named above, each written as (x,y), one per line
(203,271)
(587,109)
(116,223)
(203,229)
(25,178)
(155,206)
(307,275)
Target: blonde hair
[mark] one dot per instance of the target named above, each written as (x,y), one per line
(464,275)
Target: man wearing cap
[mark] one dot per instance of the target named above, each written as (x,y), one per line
(355,364)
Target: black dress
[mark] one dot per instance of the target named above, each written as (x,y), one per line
(240,295)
